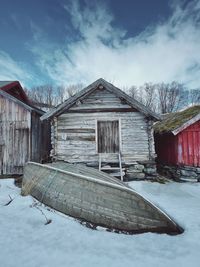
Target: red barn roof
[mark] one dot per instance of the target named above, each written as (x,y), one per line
(14,91)
(14,88)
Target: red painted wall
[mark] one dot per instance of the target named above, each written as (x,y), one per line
(182,149)
(189,145)
(166,148)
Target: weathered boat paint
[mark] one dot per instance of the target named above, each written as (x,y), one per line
(96,197)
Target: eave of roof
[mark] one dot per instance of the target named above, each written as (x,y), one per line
(177,122)
(8,87)
(92,87)
(12,98)
(5,83)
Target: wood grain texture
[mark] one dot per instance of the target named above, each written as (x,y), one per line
(182,149)
(23,136)
(108,136)
(133,130)
(101,84)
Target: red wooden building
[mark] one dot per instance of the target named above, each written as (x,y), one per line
(14,88)
(177,139)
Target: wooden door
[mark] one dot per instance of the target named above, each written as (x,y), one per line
(1,146)
(1,158)
(108,136)
(21,149)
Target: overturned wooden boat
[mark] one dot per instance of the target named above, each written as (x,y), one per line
(95,197)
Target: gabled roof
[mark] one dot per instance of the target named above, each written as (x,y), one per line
(4,83)
(14,92)
(14,88)
(92,87)
(177,122)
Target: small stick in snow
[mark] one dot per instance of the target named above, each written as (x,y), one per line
(48,221)
(8,203)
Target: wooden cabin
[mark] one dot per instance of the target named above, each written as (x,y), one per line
(177,140)
(23,136)
(100,125)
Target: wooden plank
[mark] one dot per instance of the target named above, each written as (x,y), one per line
(195,148)
(129,117)
(198,146)
(78,138)
(185,148)
(134,137)
(95,86)
(180,149)
(76,130)
(98,109)
(108,136)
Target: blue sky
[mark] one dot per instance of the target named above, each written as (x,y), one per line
(65,42)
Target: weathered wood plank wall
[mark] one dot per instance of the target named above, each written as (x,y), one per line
(108,137)
(74,131)
(40,138)
(15,136)
(23,137)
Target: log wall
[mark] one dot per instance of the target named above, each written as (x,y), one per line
(74,132)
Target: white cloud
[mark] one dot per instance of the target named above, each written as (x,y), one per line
(12,70)
(166,52)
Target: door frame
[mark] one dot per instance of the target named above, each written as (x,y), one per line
(96,133)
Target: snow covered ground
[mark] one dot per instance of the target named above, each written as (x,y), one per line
(25,240)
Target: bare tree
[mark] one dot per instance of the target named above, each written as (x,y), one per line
(42,94)
(160,97)
(51,95)
(60,94)
(169,96)
(148,96)
(74,88)
(194,96)
(133,91)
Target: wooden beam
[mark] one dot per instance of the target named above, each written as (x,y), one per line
(76,130)
(102,110)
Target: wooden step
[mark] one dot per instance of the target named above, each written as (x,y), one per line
(110,168)
(116,174)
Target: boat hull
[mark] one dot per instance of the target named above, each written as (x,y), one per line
(98,199)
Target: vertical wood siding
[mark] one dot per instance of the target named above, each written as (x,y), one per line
(108,136)
(182,149)
(189,146)
(22,137)
(14,140)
